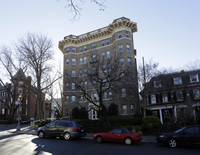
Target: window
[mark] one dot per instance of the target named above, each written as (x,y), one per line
(157,84)
(192,130)
(194,78)
(128,48)
(108,54)
(107,42)
(129,62)
(95,96)
(119,35)
(66,74)
(155,113)
(123,92)
(109,67)
(67,61)
(124,109)
(85,84)
(177,81)
(73,98)
(110,94)
(105,95)
(94,83)
(103,55)
(67,50)
(67,85)
(85,60)
(73,61)
(121,62)
(104,68)
(67,99)
(93,46)
(94,58)
(165,98)
(94,69)
(196,94)
(73,50)
(21,83)
(85,48)
(179,96)
(81,60)
(127,35)
(85,72)
(80,72)
(153,99)
(132,109)
(102,43)
(73,86)
(20,91)
(81,50)
(120,48)
(73,73)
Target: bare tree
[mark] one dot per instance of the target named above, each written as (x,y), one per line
(101,76)
(36,52)
(193,65)
(75,6)
(11,65)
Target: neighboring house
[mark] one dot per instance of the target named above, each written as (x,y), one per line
(3,99)
(22,85)
(117,38)
(175,94)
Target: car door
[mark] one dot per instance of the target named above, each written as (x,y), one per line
(115,135)
(191,135)
(50,129)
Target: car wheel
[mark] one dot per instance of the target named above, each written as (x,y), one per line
(172,143)
(41,134)
(128,141)
(99,139)
(67,136)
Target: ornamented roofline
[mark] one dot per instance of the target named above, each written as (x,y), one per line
(123,21)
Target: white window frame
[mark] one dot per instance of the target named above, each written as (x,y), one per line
(194,78)
(177,80)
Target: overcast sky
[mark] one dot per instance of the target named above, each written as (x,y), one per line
(168,30)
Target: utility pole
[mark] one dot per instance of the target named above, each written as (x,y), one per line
(144,96)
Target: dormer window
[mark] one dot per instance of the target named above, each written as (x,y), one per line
(177,81)
(194,78)
(157,84)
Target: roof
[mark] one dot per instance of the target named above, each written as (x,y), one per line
(120,22)
(20,75)
(167,82)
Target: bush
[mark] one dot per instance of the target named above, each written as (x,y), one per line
(151,125)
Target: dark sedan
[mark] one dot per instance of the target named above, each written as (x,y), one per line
(184,136)
(118,135)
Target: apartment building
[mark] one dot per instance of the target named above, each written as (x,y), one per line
(81,52)
(174,95)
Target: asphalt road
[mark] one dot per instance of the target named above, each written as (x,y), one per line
(24,144)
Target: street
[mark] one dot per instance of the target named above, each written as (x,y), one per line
(27,144)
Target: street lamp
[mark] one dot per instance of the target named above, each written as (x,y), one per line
(19,102)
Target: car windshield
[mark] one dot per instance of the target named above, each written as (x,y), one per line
(179,130)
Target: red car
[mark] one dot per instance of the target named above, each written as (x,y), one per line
(118,135)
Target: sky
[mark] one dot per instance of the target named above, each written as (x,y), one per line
(168,30)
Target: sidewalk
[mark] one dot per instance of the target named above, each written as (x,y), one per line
(30,130)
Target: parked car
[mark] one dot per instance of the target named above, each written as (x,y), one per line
(27,121)
(186,135)
(118,135)
(62,128)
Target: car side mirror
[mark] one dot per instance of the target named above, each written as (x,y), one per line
(47,125)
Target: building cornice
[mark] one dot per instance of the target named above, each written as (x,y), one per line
(117,23)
